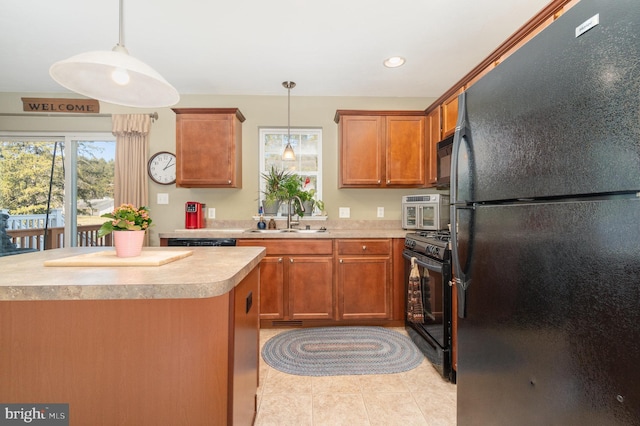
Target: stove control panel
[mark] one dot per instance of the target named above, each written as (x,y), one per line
(434,246)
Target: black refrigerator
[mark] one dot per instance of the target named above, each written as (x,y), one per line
(545,220)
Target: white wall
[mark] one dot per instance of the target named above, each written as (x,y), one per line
(260,111)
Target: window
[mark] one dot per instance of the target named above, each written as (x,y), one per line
(307,145)
(66,181)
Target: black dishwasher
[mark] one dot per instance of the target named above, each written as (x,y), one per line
(201,242)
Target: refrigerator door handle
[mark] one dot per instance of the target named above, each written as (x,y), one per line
(462,280)
(461,130)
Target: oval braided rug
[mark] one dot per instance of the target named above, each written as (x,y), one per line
(339,351)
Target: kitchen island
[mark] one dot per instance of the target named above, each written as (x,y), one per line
(133,345)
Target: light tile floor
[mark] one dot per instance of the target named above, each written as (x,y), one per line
(416,397)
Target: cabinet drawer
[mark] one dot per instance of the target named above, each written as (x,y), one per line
(358,247)
(291,246)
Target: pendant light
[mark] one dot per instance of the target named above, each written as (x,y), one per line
(288,153)
(115,77)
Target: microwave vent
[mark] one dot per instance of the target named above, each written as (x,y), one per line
(418,198)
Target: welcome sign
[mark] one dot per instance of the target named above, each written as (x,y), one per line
(55,105)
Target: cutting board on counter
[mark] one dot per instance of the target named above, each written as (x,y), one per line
(109,258)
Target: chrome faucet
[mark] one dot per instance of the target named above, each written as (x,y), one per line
(289,222)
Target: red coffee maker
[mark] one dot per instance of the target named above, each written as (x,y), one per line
(194,215)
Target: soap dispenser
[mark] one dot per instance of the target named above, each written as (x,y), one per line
(261,223)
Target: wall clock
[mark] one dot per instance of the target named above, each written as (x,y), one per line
(162,168)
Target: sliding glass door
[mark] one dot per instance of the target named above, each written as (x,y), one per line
(56,185)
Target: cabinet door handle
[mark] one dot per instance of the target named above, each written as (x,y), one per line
(229,182)
(389,181)
(279,260)
(364,248)
(379,181)
(248,302)
(291,260)
(341,260)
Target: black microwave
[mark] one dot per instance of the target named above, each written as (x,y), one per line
(444,149)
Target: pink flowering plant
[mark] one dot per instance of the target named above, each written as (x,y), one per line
(125,218)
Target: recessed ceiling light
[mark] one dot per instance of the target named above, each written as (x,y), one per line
(394,62)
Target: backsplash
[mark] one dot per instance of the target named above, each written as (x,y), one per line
(329,224)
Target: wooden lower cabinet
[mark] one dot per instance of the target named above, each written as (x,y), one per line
(309,283)
(323,282)
(296,280)
(364,279)
(272,288)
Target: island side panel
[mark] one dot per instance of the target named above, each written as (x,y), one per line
(246,347)
(125,362)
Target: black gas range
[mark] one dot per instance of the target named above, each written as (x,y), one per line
(431,331)
(433,244)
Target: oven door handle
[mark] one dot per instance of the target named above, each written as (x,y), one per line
(432,265)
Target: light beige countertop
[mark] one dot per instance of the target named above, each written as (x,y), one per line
(242,233)
(335,229)
(207,272)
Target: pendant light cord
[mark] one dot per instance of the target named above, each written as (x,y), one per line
(288,113)
(289,85)
(288,153)
(120,46)
(121,28)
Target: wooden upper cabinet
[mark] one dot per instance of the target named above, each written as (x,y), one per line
(434,133)
(361,151)
(380,149)
(406,160)
(450,115)
(209,147)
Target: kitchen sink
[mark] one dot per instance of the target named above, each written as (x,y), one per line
(305,231)
(282,231)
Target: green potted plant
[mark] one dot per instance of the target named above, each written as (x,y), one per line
(309,202)
(282,186)
(274,189)
(307,194)
(291,187)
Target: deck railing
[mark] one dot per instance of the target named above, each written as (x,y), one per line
(35,238)
(29,221)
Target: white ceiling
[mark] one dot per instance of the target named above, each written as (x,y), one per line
(249,47)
